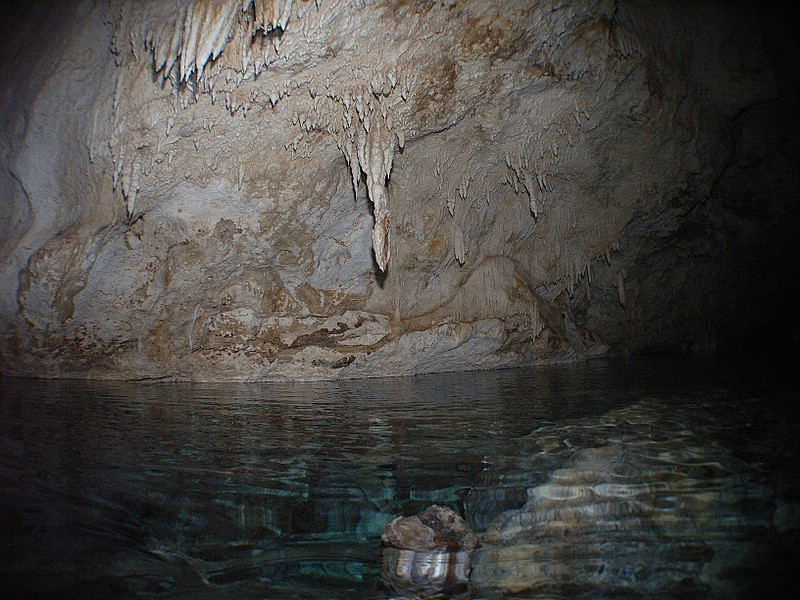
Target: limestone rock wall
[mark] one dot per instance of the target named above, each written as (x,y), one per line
(255,189)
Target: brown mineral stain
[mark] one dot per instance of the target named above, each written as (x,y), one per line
(225,230)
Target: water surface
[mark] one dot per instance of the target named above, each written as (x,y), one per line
(646,478)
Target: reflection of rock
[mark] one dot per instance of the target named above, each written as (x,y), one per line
(427,552)
(423,570)
(647,501)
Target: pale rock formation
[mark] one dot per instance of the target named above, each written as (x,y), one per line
(263,189)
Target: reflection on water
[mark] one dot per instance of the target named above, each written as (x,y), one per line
(599,480)
(660,497)
(425,571)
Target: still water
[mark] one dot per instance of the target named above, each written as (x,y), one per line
(640,478)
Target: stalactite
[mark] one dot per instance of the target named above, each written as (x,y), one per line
(459,246)
(368,139)
(580,270)
(533,181)
(620,277)
(375,154)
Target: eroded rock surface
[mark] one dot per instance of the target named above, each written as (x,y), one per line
(240,189)
(437,527)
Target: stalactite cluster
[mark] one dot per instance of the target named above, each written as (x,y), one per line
(189,50)
(368,141)
(198,32)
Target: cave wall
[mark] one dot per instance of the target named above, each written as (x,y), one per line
(298,189)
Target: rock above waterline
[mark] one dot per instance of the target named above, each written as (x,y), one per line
(435,528)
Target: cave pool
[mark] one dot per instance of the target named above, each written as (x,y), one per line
(641,478)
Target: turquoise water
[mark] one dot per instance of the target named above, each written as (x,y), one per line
(641,478)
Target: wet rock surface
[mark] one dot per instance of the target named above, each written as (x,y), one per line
(436,528)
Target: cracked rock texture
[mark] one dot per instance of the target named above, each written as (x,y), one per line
(257,189)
